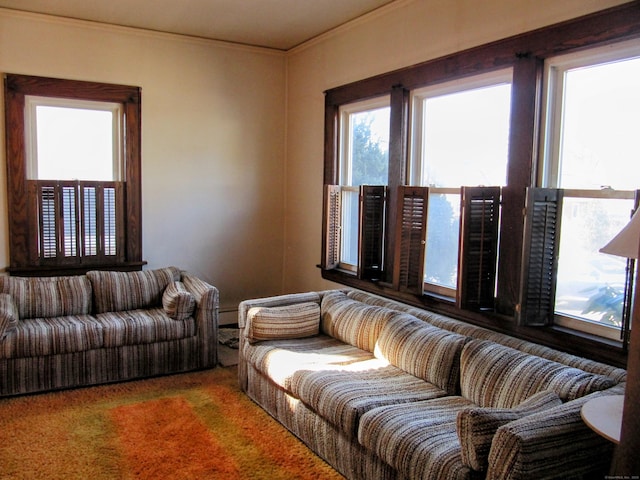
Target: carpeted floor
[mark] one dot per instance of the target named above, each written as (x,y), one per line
(190,426)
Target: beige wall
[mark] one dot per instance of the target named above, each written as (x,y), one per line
(212,141)
(402,34)
(227,130)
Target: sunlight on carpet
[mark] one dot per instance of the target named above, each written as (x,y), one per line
(191,426)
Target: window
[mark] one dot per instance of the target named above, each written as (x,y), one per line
(364,160)
(73,139)
(461,135)
(591,151)
(74,165)
(489,198)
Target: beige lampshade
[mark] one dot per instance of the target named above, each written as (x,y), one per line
(627,242)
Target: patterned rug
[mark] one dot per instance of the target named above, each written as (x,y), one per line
(228,337)
(190,426)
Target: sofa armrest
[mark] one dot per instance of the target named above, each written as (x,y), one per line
(206,317)
(554,444)
(243,310)
(279,301)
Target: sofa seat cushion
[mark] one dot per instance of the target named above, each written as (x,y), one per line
(422,350)
(351,321)
(492,375)
(280,359)
(418,439)
(44,297)
(122,291)
(143,326)
(35,337)
(341,395)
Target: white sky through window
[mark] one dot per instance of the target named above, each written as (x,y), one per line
(600,140)
(74,143)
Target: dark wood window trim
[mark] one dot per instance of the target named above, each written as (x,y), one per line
(525,54)
(23,225)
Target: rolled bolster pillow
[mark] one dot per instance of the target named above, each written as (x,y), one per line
(292,321)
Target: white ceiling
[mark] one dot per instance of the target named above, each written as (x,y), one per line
(279,24)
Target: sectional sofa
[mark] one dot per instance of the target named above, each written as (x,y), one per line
(382,390)
(61,332)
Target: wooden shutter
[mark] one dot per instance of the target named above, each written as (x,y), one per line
(479,221)
(411,237)
(373,201)
(540,256)
(78,222)
(57,215)
(333,209)
(101,207)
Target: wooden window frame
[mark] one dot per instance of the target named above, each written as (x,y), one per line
(525,54)
(23,224)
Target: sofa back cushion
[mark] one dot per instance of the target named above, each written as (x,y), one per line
(422,350)
(351,321)
(119,291)
(492,375)
(47,297)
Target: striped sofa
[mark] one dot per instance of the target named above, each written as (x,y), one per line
(61,332)
(382,390)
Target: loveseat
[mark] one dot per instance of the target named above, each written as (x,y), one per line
(382,390)
(105,326)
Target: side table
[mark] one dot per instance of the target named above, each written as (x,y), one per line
(604,416)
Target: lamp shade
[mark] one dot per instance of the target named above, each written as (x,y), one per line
(627,242)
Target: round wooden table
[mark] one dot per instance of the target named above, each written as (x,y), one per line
(604,416)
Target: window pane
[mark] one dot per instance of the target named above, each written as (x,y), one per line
(591,284)
(364,161)
(443,226)
(600,144)
(465,141)
(466,137)
(74,144)
(349,250)
(370,147)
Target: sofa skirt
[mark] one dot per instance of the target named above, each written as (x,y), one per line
(103,365)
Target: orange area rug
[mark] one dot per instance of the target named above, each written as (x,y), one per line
(190,426)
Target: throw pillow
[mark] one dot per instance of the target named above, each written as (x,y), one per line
(476,426)
(276,323)
(8,314)
(177,301)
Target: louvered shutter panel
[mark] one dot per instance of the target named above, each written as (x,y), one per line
(57,220)
(373,199)
(332,227)
(411,238)
(78,222)
(479,221)
(540,256)
(102,205)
